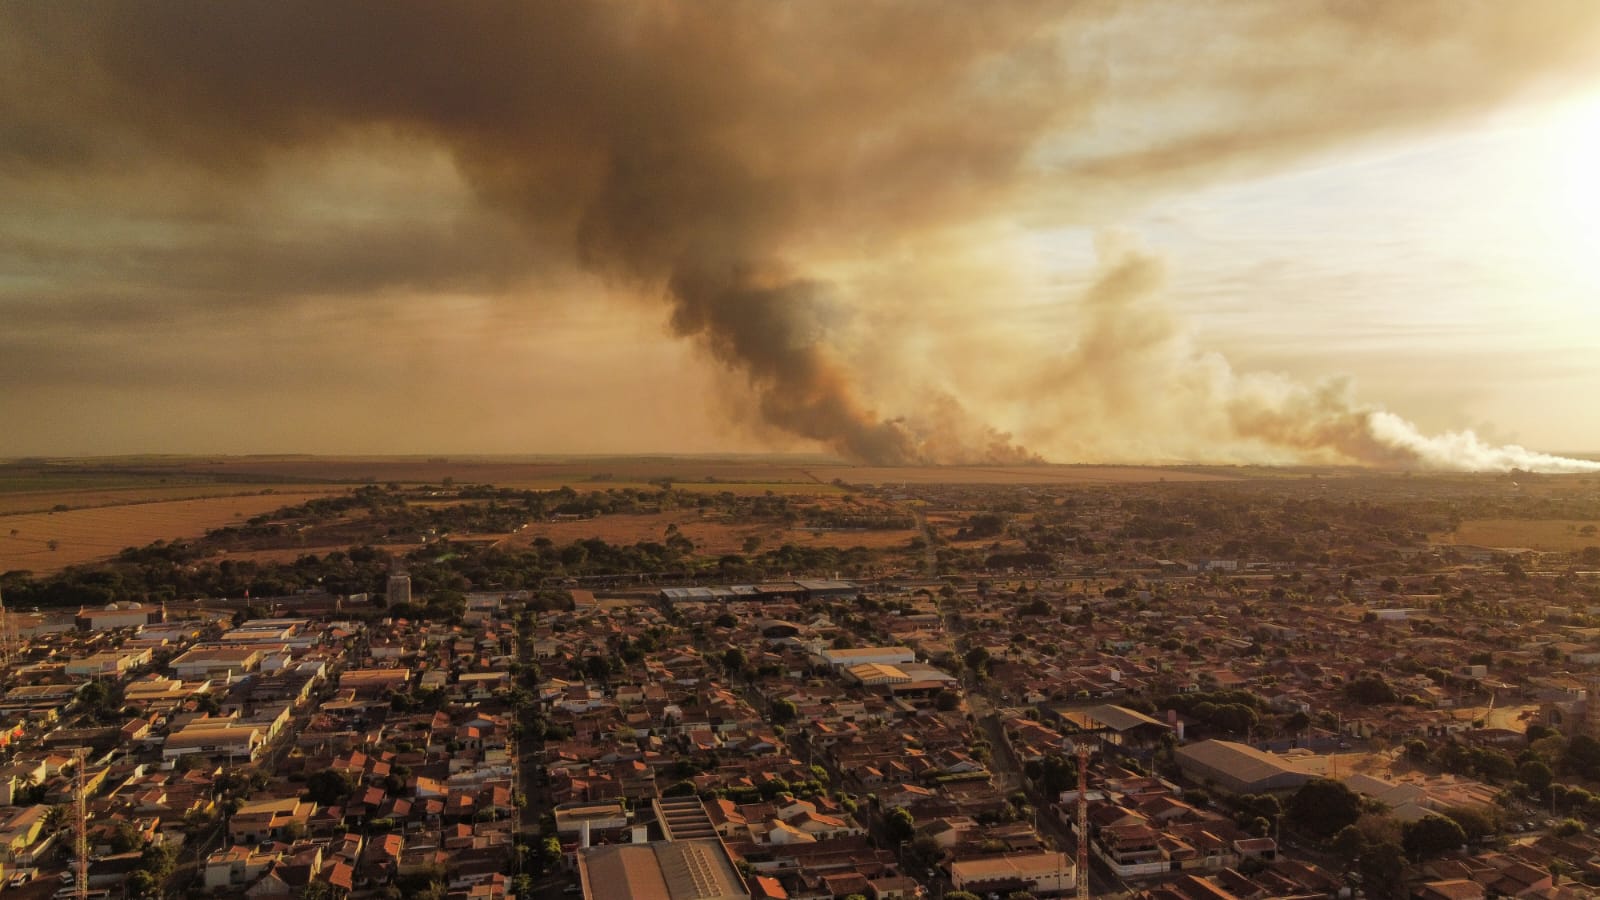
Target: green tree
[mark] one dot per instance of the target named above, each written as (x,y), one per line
(1348,844)
(597,667)
(93,695)
(1431,836)
(1370,689)
(1382,866)
(158,860)
(899,825)
(1477,823)
(329,787)
(127,837)
(1053,774)
(141,884)
(1536,775)
(550,852)
(783,711)
(1322,806)
(924,852)
(977,659)
(1583,756)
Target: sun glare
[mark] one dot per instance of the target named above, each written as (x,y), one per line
(1577,183)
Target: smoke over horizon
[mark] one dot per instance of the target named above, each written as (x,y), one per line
(726,159)
(1136,369)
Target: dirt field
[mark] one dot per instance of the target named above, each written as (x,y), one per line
(1551,535)
(86,535)
(1514,717)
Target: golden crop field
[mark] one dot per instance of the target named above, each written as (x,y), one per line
(50,541)
(1557,535)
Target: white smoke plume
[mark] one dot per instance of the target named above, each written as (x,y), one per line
(1465,451)
(1137,386)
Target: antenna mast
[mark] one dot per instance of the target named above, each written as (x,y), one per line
(1083,820)
(5,634)
(82,811)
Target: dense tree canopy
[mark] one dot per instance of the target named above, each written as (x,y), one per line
(1432,835)
(1321,807)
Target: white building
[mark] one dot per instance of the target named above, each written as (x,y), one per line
(215,738)
(1044,873)
(857,656)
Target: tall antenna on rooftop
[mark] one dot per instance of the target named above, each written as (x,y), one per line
(82,817)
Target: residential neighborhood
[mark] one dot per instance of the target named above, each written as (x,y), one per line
(1154,726)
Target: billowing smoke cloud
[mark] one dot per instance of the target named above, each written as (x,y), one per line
(1465,451)
(722,155)
(1135,372)
(770,328)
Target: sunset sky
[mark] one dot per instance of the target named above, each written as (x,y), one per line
(923,232)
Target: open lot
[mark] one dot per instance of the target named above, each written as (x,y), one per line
(86,535)
(1550,535)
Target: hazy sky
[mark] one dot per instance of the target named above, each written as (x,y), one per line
(1243,231)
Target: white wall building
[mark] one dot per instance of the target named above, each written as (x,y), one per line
(1044,873)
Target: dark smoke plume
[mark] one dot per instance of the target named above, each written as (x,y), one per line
(722,154)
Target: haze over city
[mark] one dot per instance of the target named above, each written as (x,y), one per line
(1245,232)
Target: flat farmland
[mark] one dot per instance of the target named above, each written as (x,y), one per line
(88,535)
(711,536)
(14,502)
(588,472)
(1555,535)
(780,474)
